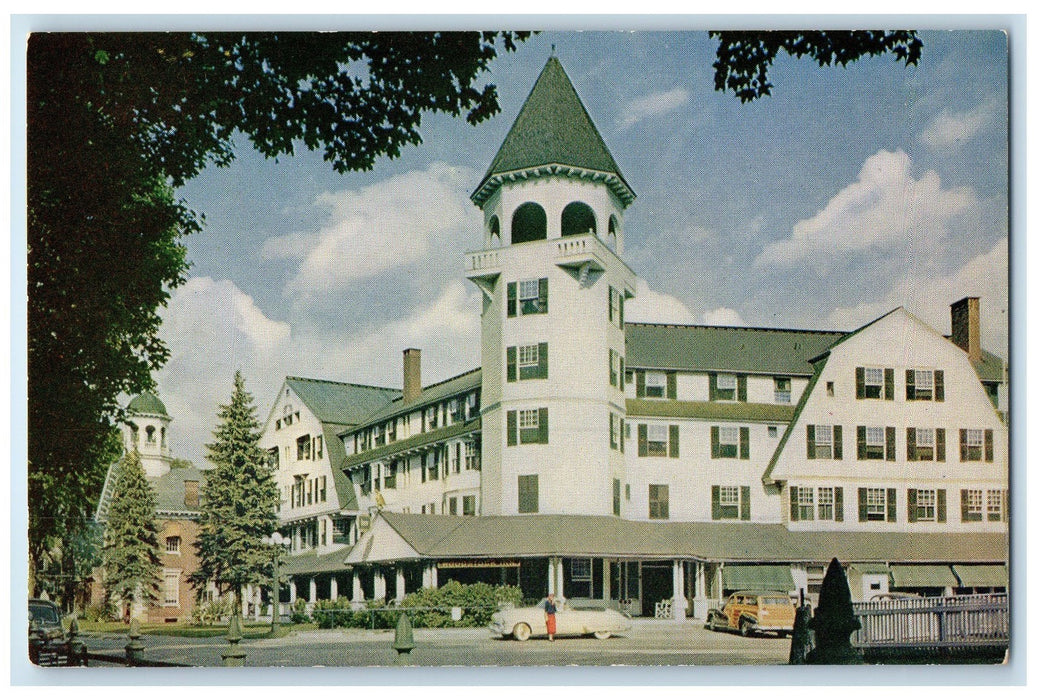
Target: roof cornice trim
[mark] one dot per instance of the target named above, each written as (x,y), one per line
(614,181)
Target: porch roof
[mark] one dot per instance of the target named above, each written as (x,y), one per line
(313,563)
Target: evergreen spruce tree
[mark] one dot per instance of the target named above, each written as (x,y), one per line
(130,553)
(239,501)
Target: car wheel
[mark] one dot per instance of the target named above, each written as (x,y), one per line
(522,631)
(602,634)
(745,628)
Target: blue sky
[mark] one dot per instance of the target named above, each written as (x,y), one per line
(848,192)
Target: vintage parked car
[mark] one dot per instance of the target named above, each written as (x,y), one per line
(48,643)
(754,612)
(523,623)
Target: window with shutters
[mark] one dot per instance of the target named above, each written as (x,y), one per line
(804,502)
(729,442)
(875,504)
(823,442)
(924,385)
(528,362)
(528,493)
(875,442)
(971,505)
(995,506)
(657,440)
(655,385)
(728,502)
(926,444)
(782,390)
(972,444)
(527,426)
(727,387)
(827,502)
(658,501)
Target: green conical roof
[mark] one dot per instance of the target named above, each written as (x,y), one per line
(553,129)
(147,403)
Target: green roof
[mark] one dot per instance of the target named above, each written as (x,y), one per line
(313,563)
(454,386)
(444,536)
(710,410)
(169,489)
(339,402)
(758,577)
(922,576)
(553,128)
(989,367)
(981,574)
(147,404)
(725,348)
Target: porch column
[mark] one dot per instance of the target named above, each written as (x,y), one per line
(334,587)
(293,592)
(358,591)
(680,605)
(606,580)
(701,602)
(551,576)
(434,575)
(379,585)
(401,584)
(426,576)
(313,590)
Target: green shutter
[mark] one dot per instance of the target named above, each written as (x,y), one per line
(938,384)
(941,505)
(909,381)
(712,386)
(941,445)
(837,442)
(615,497)
(839,503)
(622,375)
(743,443)
(860,382)
(622,300)
(675,444)
(988,445)
(912,454)
(642,440)
(512,428)
(745,503)
(793,503)
(671,385)
(743,392)
(512,298)
(862,442)
(639,378)
(889,384)
(891,444)
(891,505)
(543,427)
(611,293)
(714,437)
(512,363)
(543,295)
(622,430)
(811,446)
(912,505)
(963,444)
(542,354)
(612,431)
(862,504)
(716,503)
(964,506)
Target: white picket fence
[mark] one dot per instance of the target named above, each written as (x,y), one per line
(953,621)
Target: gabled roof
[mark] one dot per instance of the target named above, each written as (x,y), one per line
(449,537)
(725,348)
(339,402)
(553,128)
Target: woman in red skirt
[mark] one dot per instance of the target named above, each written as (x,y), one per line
(549,615)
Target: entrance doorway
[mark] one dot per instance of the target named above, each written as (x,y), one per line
(657,581)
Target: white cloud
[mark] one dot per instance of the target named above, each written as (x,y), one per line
(984,276)
(885,210)
(385,226)
(650,306)
(722,316)
(955,128)
(212,328)
(653,105)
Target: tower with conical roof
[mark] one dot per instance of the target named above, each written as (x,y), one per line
(147,430)
(554,289)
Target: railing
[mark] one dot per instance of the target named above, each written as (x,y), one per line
(483,260)
(955,621)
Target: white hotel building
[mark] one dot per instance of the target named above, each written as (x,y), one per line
(623,462)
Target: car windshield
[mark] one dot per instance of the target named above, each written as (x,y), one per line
(44,613)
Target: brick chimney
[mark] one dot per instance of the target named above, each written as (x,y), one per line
(191,499)
(965,326)
(411,374)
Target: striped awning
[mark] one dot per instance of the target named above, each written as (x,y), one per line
(982,574)
(758,577)
(922,576)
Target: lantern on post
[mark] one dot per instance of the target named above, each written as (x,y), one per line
(278,542)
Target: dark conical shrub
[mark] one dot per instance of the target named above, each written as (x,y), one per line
(834,620)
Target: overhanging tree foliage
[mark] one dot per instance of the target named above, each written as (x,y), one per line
(115,121)
(743,58)
(239,501)
(130,554)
